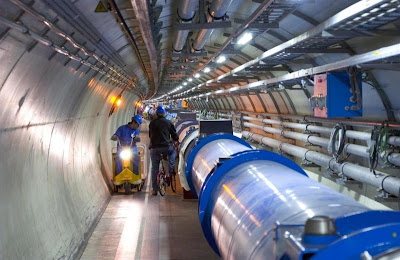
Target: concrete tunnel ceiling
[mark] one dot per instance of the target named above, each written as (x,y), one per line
(61,63)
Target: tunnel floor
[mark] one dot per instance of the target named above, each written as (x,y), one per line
(142,226)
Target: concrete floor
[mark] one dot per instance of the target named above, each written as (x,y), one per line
(142,226)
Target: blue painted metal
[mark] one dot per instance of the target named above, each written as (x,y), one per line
(338,95)
(206,200)
(254,204)
(374,239)
(201,143)
(253,196)
(349,242)
(318,240)
(349,224)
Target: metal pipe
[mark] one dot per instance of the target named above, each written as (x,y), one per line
(349,12)
(187,144)
(256,195)
(260,9)
(208,156)
(62,34)
(186,12)
(57,48)
(217,10)
(364,136)
(128,34)
(362,174)
(248,199)
(355,149)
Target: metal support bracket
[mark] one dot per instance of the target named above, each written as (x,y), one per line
(383,196)
(193,54)
(200,26)
(344,180)
(307,163)
(329,174)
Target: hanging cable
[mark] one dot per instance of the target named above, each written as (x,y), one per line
(383,145)
(379,138)
(337,141)
(355,88)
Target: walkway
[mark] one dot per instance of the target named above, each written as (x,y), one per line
(142,226)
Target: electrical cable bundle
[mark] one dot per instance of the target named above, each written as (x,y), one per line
(337,141)
(355,88)
(378,148)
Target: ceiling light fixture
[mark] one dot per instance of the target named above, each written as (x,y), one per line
(197,75)
(245,38)
(221,59)
(190,79)
(184,83)
(207,69)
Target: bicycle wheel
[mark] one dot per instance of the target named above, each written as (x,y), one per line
(162,187)
(173,181)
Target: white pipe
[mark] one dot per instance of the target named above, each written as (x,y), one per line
(355,149)
(217,9)
(364,136)
(186,11)
(359,173)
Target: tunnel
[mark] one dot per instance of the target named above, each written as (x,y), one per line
(308,87)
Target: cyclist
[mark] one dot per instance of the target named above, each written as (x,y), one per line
(128,135)
(161,131)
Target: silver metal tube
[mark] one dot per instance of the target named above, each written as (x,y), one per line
(359,173)
(209,155)
(255,195)
(217,9)
(358,135)
(355,149)
(186,12)
(394,158)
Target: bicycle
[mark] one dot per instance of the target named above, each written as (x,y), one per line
(162,176)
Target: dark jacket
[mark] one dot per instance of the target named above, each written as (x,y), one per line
(161,130)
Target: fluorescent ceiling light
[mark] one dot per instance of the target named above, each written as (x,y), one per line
(207,69)
(197,75)
(190,79)
(184,83)
(245,38)
(221,59)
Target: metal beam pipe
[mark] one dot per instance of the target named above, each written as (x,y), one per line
(186,12)
(217,10)
(256,195)
(362,174)
(208,156)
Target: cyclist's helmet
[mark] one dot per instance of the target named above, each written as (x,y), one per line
(160,110)
(138,119)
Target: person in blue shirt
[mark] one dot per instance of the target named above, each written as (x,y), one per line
(128,135)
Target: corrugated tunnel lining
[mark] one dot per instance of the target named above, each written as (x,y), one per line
(55,151)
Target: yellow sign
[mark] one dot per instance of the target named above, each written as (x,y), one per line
(100,8)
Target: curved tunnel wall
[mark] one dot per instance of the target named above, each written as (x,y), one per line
(55,156)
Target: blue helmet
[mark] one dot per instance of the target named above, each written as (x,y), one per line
(138,119)
(160,110)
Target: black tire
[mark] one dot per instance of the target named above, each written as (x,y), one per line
(162,188)
(115,188)
(173,182)
(127,187)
